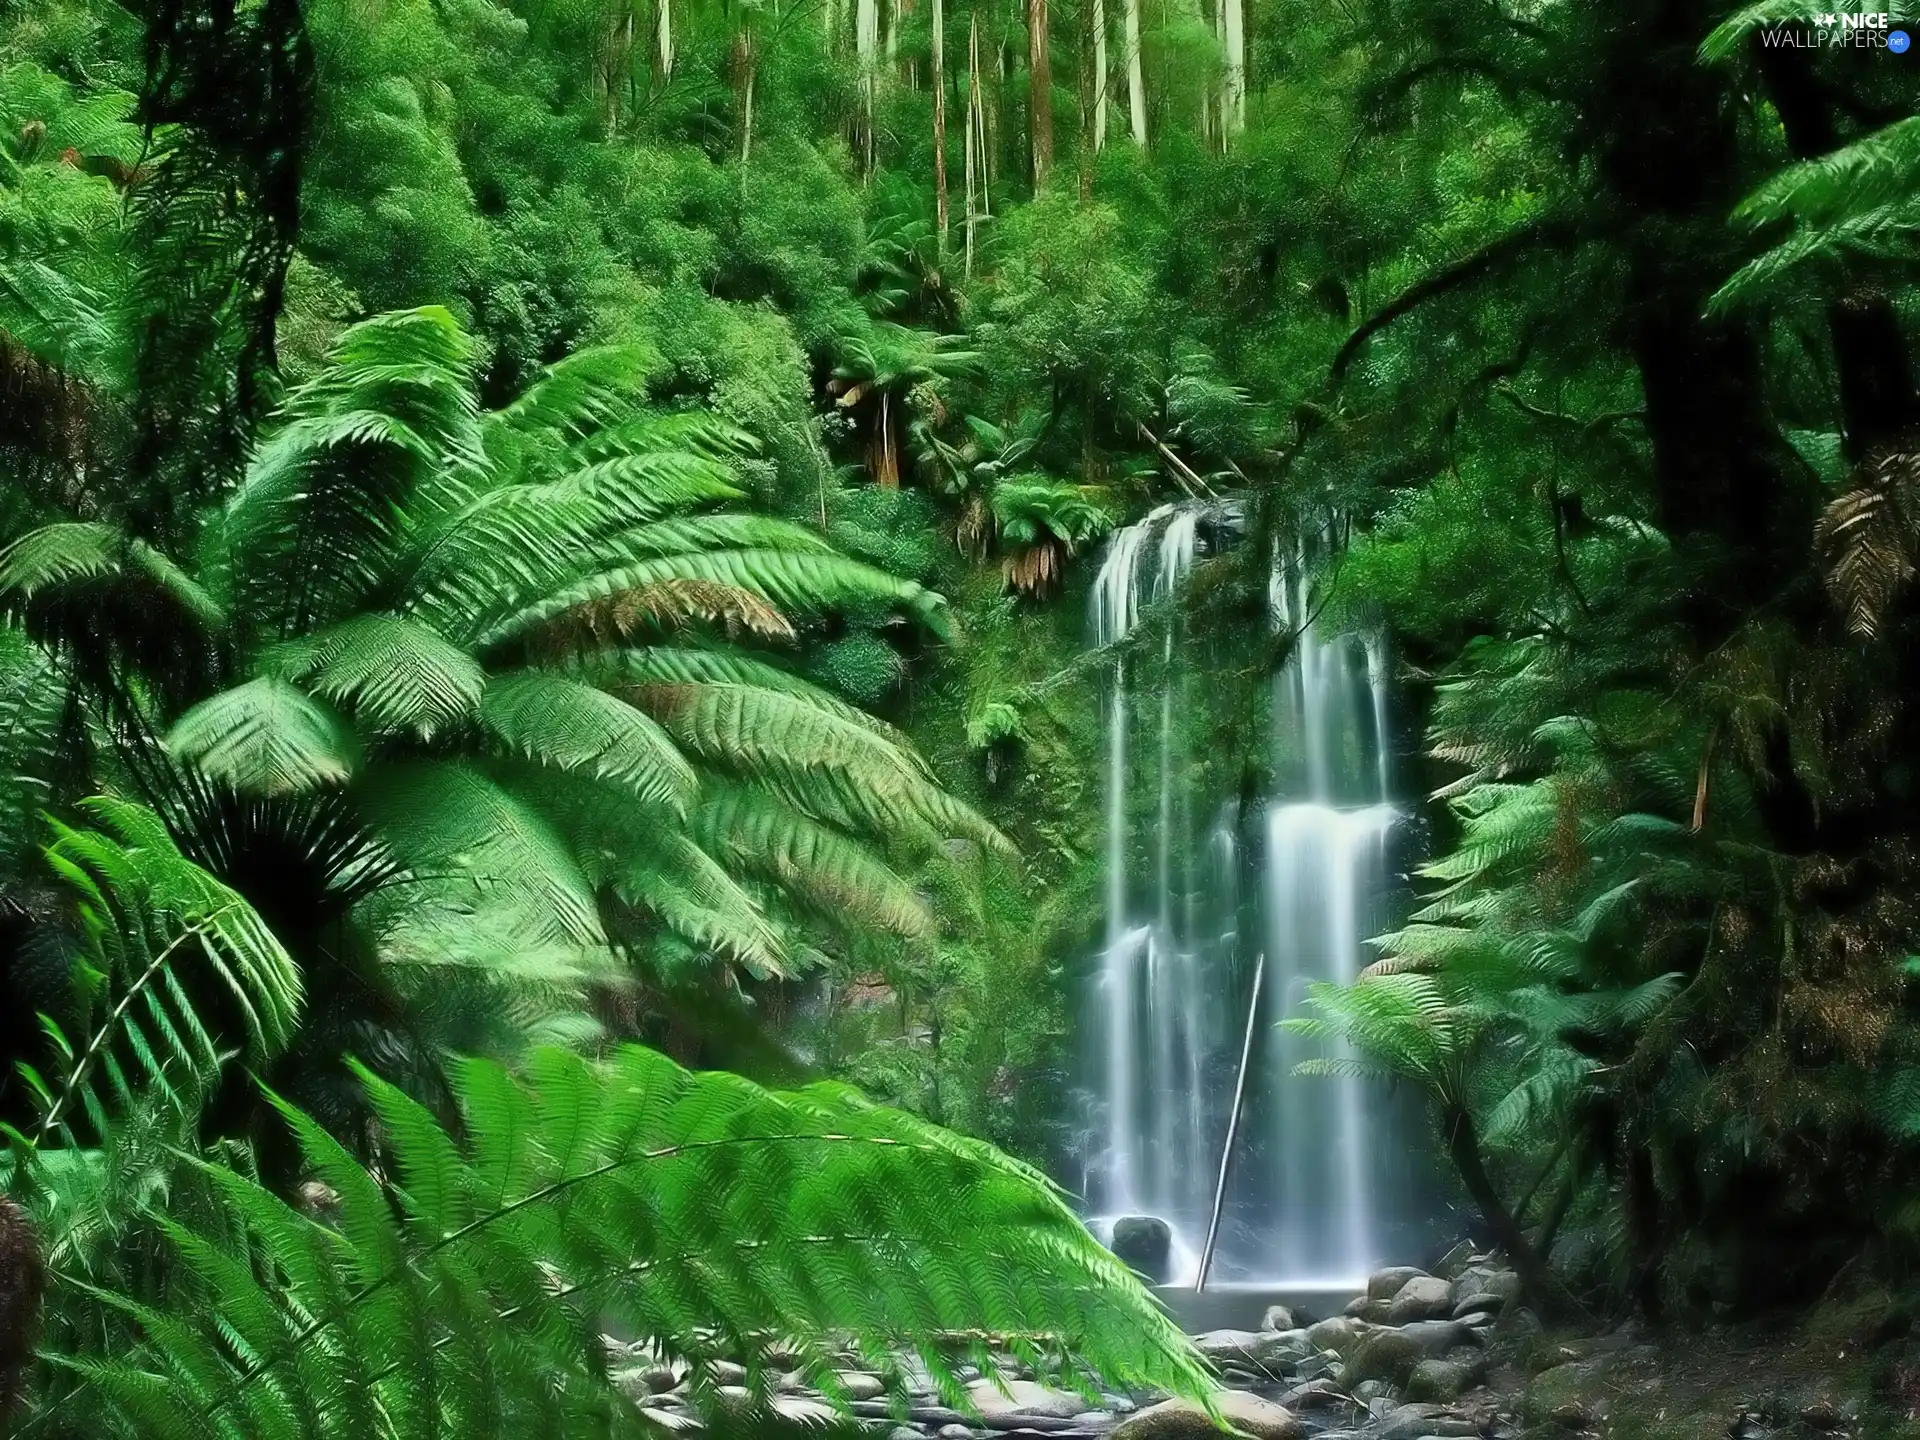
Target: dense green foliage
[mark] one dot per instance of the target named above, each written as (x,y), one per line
(480,480)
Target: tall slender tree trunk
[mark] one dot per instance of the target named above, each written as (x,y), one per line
(1136,78)
(1098,23)
(1233,96)
(1039,91)
(866,45)
(973,132)
(940,123)
(662,41)
(745,59)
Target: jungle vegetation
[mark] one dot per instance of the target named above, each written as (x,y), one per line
(543,556)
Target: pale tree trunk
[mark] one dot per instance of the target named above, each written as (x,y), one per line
(1233,98)
(909,71)
(1099,23)
(1136,80)
(1039,91)
(940,122)
(974,166)
(745,65)
(662,41)
(866,45)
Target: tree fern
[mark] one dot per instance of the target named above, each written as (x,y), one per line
(146,917)
(698,1212)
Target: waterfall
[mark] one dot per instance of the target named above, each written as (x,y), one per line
(1174,972)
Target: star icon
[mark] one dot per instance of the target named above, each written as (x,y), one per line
(1829,20)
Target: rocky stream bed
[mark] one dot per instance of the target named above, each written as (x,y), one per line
(1418,1355)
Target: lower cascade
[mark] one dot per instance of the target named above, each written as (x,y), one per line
(1197,891)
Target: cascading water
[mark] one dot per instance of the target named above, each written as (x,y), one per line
(1175,969)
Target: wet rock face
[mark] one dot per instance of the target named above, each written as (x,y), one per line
(1145,1242)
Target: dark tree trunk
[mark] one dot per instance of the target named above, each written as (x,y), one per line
(1544,1288)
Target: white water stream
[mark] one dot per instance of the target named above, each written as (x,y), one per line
(1175,969)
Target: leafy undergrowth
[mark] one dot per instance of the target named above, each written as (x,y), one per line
(1848,1367)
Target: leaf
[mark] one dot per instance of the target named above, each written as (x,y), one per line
(266,737)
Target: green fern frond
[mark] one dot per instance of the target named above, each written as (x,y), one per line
(564,723)
(61,554)
(685,1209)
(816,864)
(447,818)
(266,737)
(392,672)
(147,916)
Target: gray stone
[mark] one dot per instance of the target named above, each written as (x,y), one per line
(906,1432)
(1492,1280)
(1340,1334)
(1436,1337)
(1441,1380)
(1481,1304)
(1388,1355)
(804,1411)
(1146,1243)
(1260,1350)
(1314,1395)
(1023,1397)
(1278,1318)
(1372,1312)
(725,1373)
(645,1380)
(861,1386)
(1424,1297)
(1385,1284)
(1095,1419)
(954,1432)
(1456,1260)
(1414,1422)
(1185,1420)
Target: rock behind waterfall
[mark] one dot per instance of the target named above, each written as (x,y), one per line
(1145,1242)
(1184,1420)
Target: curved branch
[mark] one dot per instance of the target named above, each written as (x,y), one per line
(1493,258)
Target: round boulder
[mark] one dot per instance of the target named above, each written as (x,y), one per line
(1441,1380)
(1388,1355)
(1385,1284)
(1424,1297)
(1278,1317)
(1185,1420)
(1340,1334)
(1145,1242)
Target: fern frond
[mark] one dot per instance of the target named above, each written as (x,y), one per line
(816,864)
(687,1209)
(266,737)
(392,672)
(148,916)
(564,723)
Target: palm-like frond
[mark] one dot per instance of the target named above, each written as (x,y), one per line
(147,916)
(392,672)
(812,863)
(467,1298)
(557,721)
(266,737)
(838,771)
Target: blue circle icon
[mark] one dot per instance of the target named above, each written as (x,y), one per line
(1898,42)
